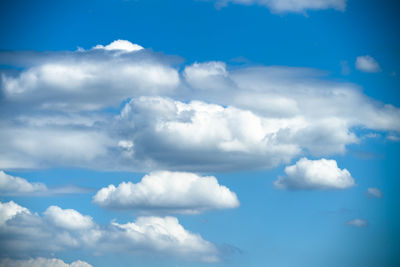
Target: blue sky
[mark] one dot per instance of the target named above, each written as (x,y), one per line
(199,133)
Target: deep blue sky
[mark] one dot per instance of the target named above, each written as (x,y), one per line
(271,227)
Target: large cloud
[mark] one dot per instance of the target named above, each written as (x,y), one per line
(285,6)
(315,174)
(176,192)
(65,229)
(42,262)
(203,118)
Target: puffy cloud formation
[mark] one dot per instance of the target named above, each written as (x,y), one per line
(367,64)
(286,6)
(141,111)
(314,174)
(10,185)
(62,229)
(358,223)
(42,262)
(176,192)
(374,192)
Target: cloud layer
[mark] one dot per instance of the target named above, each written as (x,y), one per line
(140,110)
(172,192)
(66,229)
(315,174)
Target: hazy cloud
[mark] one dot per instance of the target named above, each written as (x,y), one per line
(367,64)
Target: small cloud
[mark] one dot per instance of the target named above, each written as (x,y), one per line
(367,64)
(358,223)
(373,192)
(315,175)
(122,45)
(17,186)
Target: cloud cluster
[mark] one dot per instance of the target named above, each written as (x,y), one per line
(172,192)
(286,6)
(367,64)
(315,174)
(138,110)
(42,262)
(64,229)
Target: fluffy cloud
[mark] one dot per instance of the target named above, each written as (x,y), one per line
(314,174)
(11,185)
(42,262)
(285,6)
(63,229)
(203,118)
(178,192)
(367,64)
(358,223)
(374,192)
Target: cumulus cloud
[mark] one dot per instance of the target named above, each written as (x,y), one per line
(286,6)
(374,192)
(176,192)
(141,111)
(358,223)
(315,174)
(367,64)
(42,262)
(65,229)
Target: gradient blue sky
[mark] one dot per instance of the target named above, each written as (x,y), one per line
(271,227)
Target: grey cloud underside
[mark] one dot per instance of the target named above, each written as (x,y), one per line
(143,111)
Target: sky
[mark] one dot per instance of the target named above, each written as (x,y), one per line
(199,133)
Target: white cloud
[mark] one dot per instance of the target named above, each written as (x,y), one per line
(374,192)
(358,223)
(11,185)
(42,262)
(176,192)
(123,45)
(367,64)
(67,218)
(204,118)
(17,186)
(314,174)
(63,229)
(297,6)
